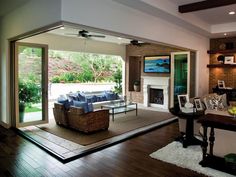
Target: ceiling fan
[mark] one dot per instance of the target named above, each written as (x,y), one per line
(137,43)
(85,34)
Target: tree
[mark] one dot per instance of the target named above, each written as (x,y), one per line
(118,80)
(92,67)
(29,92)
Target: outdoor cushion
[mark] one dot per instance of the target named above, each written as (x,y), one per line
(101,98)
(83,105)
(66,103)
(81,97)
(90,107)
(94,98)
(110,95)
(88,99)
(73,97)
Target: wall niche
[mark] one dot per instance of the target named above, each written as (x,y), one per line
(218,70)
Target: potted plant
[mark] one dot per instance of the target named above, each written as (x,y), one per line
(137,85)
(29,93)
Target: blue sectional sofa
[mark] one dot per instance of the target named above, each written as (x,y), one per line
(97,99)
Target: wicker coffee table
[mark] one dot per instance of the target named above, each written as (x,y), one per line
(121,107)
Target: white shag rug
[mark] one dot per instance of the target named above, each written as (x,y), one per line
(190,157)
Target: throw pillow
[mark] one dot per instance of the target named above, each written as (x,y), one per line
(88,99)
(207,101)
(66,103)
(110,95)
(104,98)
(218,102)
(73,97)
(99,98)
(90,107)
(224,100)
(94,98)
(81,97)
(82,104)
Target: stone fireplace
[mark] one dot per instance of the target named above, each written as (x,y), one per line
(156,91)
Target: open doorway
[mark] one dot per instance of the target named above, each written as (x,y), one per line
(75,64)
(73,73)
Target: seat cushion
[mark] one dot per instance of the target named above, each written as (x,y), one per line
(82,104)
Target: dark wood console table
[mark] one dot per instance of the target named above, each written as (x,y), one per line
(215,121)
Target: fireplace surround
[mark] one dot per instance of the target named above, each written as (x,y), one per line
(156,83)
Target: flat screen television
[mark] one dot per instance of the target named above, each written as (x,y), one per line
(157,64)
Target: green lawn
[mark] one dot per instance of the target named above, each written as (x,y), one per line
(32,109)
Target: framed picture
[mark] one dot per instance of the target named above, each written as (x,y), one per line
(183,99)
(229,59)
(198,104)
(156,64)
(221,84)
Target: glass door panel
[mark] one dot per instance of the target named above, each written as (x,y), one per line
(31,84)
(179,75)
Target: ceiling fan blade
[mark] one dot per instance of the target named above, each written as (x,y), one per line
(71,34)
(93,35)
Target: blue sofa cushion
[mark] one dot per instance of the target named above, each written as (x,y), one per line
(83,105)
(81,97)
(110,96)
(91,99)
(101,98)
(104,98)
(73,97)
(94,98)
(88,99)
(90,107)
(66,103)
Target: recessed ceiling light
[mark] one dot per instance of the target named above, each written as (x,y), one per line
(231,13)
(225,34)
(62,27)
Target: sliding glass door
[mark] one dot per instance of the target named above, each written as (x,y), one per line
(31,84)
(179,75)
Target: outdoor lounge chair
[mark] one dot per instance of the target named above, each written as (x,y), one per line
(75,118)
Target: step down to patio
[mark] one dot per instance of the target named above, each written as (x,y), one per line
(66,151)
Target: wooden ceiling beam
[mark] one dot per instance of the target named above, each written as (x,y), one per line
(202,5)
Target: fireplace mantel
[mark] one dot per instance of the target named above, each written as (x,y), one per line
(158,83)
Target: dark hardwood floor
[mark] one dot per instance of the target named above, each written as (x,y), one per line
(18,157)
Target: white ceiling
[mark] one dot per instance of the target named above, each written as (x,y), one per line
(8,5)
(69,31)
(210,22)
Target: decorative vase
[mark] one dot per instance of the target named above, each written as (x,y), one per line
(136,88)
